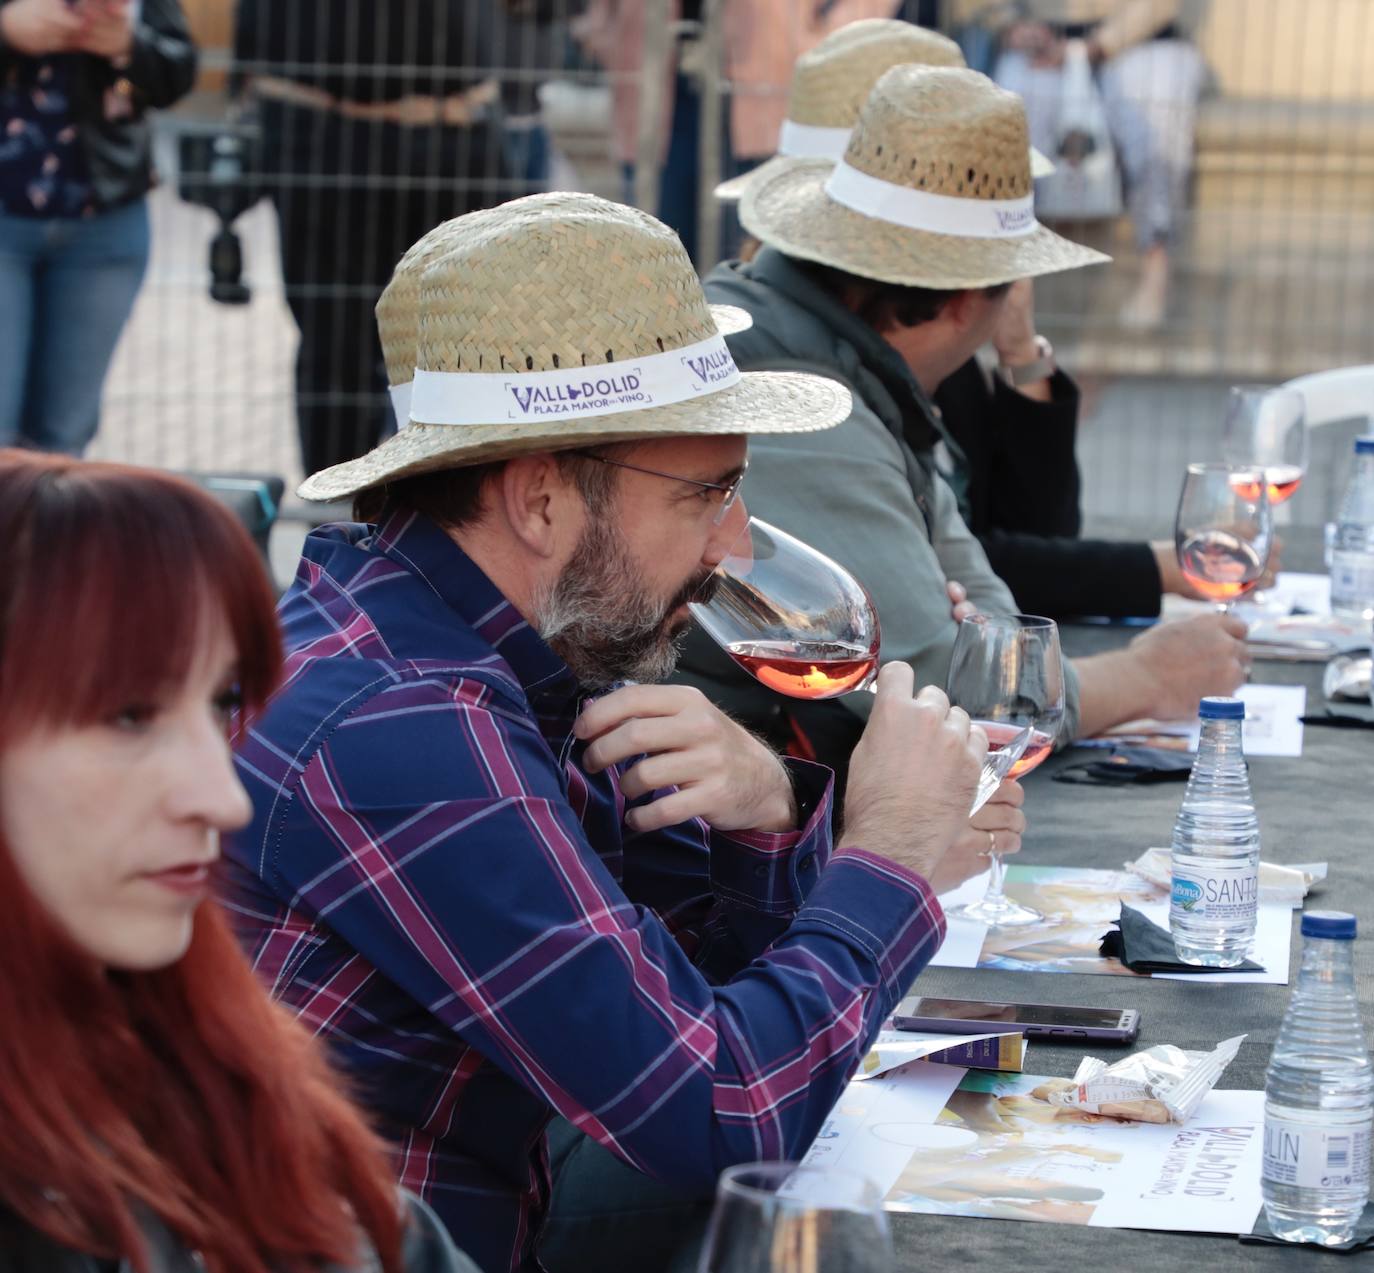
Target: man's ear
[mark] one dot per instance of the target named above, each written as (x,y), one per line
(964,308)
(541,506)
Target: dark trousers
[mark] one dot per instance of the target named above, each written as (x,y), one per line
(351,198)
(608,1217)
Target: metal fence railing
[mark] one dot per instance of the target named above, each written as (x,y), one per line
(324,140)
(1271,245)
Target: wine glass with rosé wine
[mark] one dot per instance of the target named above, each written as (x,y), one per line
(1007,673)
(796,621)
(1223,530)
(1266,429)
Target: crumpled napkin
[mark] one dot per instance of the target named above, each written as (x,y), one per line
(1129,765)
(1145,947)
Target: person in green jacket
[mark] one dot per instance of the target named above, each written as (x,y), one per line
(932,203)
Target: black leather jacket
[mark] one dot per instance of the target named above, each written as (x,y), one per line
(162,68)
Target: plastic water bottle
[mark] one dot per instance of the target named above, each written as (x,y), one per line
(1319,1095)
(1215,895)
(1352,553)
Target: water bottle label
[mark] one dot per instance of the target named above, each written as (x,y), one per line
(1352,575)
(1316,1157)
(1219,891)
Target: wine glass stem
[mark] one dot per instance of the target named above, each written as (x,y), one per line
(997,873)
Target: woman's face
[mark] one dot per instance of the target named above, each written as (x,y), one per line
(113,826)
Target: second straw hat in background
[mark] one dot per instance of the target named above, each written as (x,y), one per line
(831,82)
(934,190)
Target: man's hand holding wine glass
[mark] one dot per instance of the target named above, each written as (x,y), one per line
(913,775)
(996,828)
(721,772)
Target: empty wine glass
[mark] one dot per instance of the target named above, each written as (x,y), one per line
(782,1218)
(1266,429)
(793,619)
(1007,673)
(1223,530)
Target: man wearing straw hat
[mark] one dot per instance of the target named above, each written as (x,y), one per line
(506,889)
(929,214)
(1011,437)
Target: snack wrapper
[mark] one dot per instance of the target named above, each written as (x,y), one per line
(1163,1084)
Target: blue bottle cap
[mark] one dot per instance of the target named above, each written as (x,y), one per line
(1364,446)
(1221,709)
(1336,924)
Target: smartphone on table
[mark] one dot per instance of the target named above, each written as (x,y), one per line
(1034,1020)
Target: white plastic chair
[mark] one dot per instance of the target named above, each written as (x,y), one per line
(1347,393)
(1340,406)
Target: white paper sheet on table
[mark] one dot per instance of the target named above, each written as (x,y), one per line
(1295,592)
(1272,725)
(997,1152)
(1082,931)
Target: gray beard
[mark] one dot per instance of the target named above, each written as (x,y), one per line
(602,620)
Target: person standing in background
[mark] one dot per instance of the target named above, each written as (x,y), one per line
(973,24)
(378,121)
(531,38)
(76,82)
(1151,76)
(762,41)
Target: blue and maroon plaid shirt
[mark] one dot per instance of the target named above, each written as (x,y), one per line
(435,885)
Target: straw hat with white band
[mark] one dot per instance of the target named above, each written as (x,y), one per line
(563,320)
(934,190)
(831,82)
(398,314)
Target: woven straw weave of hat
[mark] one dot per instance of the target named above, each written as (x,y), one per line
(944,130)
(398,307)
(558,283)
(831,82)
(950,132)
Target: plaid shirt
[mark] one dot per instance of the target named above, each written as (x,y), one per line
(433,883)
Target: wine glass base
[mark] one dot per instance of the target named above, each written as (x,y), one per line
(998,912)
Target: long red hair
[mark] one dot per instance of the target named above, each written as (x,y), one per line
(185,1091)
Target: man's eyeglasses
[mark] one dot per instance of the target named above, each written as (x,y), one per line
(729,490)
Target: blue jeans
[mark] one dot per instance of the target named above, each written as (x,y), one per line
(66,289)
(606,1216)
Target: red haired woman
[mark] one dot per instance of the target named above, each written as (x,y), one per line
(157,1112)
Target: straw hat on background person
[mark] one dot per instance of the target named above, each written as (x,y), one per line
(934,190)
(562,320)
(831,83)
